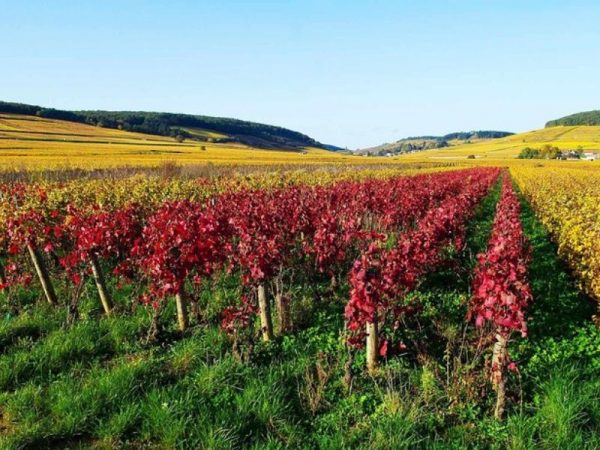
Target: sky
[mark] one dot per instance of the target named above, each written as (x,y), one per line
(349,73)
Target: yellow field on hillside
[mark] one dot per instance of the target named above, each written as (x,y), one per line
(35,143)
(204,133)
(567,138)
(28,142)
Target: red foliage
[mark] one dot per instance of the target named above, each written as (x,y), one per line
(257,233)
(501,291)
(179,239)
(236,318)
(102,235)
(381,278)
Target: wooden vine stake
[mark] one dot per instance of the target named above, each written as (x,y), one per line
(182,310)
(105,298)
(266,323)
(42,273)
(284,314)
(333,283)
(372,346)
(2,274)
(498,377)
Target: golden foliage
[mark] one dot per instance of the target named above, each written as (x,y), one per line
(35,143)
(567,201)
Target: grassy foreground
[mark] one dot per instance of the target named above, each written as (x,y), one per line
(100,383)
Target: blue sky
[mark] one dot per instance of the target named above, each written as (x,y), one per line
(351,73)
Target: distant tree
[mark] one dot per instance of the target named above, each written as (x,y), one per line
(550,152)
(529,153)
(546,152)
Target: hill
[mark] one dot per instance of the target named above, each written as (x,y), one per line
(178,126)
(420,143)
(586,138)
(34,142)
(583,118)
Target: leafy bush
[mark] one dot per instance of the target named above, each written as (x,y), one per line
(545,152)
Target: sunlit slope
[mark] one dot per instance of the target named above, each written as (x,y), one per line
(38,143)
(586,137)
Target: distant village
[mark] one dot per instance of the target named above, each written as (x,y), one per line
(571,155)
(548,151)
(585,156)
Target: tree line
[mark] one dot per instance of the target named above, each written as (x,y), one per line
(174,125)
(582,118)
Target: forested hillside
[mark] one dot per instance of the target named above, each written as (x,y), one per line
(179,126)
(582,118)
(418,143)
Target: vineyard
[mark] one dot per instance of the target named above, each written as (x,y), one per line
(38,144)
(403,307)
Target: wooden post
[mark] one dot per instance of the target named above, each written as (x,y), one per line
(333,283)
(2,274)
(105,298)
(266,323)
(182,313)
(372,346)
(42,272)
(498,375)
(282,303)
(283,311)
(347,380)
(155,328)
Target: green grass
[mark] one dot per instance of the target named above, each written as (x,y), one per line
(99,384)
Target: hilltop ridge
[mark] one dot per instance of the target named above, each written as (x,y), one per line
(419,143)
(179,126)
(585,118)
